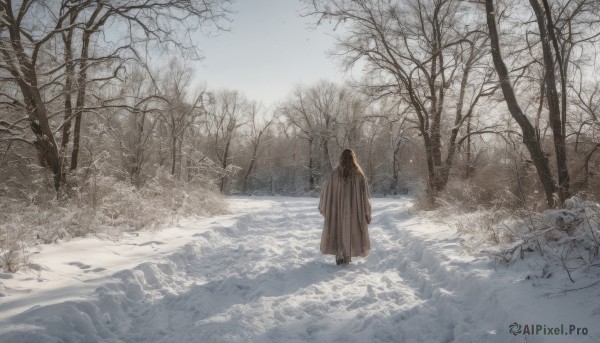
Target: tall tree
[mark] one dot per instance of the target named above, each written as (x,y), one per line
(530,138)
(32,31)
(315,112)
(553,62)
(227,112)
(420,51)
(182,107)
(258,129)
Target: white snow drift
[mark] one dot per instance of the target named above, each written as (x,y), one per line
(258,276)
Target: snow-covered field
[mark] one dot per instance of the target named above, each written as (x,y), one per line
(257,276)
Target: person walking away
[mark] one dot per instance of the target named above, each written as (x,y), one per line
(345,204)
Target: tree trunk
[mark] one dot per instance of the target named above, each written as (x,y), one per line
(395,167)
(470,168)
(81,93)
(179,156)
(325,158)
(44,142)
(173,150)
(69,74)
(245,182)
(139,151)
(26,78)
(311,176)
(529,136)
(554,112)
(224,162)
(431,176)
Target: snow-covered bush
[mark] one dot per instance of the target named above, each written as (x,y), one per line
(567,239)
(97,203)
(13,247)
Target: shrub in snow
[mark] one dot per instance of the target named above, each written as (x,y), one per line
(13,249)
(98,203)
(567,239)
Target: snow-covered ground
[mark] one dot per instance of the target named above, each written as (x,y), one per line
(257,276)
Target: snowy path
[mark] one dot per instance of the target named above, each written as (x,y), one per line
(258,276)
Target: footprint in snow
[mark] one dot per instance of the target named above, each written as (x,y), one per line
(151,243)
(79,265)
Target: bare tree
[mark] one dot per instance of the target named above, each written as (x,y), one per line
(419,51)
(32,31)
(556,40)
(315,111)
(258,128)
(587,103)
(182,107)
(226,112)
(557,119)
(135,135)
(391,117)
(530,138)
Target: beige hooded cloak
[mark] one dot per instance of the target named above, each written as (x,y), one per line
(346,206)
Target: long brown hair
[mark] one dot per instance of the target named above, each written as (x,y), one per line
(348,164)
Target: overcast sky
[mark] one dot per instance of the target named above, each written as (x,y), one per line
(268,50)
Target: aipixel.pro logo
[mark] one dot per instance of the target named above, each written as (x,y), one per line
(543,329)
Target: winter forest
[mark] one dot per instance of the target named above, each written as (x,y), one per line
(483,113)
